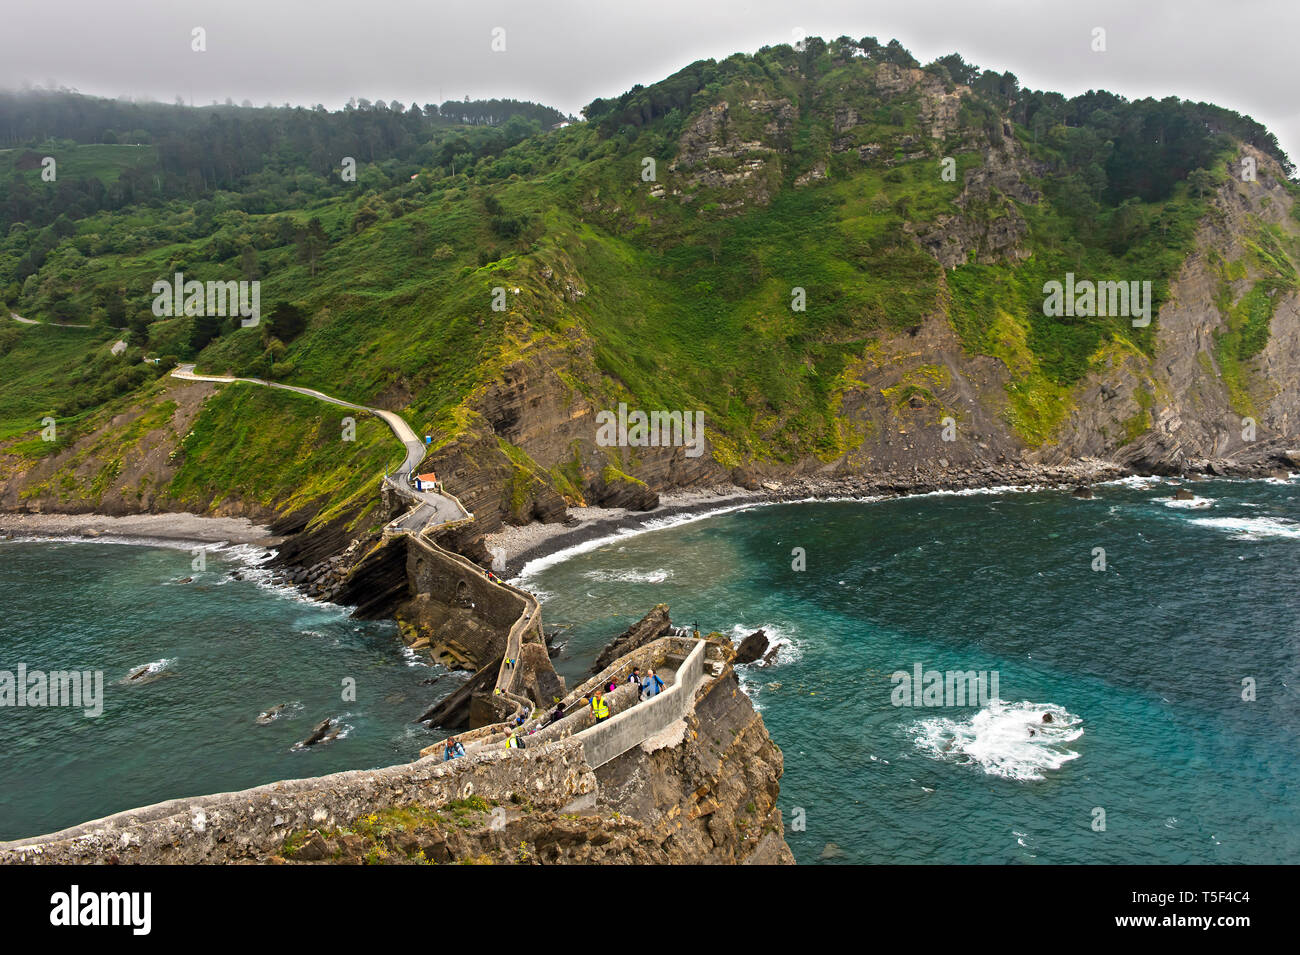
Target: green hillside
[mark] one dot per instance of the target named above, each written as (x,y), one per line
(819,170)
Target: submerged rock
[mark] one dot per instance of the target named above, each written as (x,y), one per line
(1082,492)
(1182,494)
(146,674)
(267,717)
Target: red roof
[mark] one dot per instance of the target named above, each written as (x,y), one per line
(429,478)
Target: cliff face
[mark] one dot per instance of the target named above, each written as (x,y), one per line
(706,790)
(1194,401)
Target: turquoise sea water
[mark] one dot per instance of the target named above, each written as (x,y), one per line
(1141,665)
(225,651)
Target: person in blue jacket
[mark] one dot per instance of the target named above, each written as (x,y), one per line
(651,685)
(452,750)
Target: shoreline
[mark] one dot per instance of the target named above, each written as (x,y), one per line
(532,542)
(174,528)
(523,545)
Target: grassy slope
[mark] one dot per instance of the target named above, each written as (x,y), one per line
(37,369)
(90,161)
(688,306)
(283,451)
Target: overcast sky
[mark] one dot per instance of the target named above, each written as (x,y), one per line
(1239,54)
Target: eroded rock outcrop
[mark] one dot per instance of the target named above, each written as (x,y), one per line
(652,626)
(707,789)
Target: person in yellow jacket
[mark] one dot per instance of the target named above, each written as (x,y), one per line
(513,741)
(599,707)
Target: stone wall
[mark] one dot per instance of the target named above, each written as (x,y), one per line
(465,617)
(441,577)
(624,730)
(253,824)
(701,786)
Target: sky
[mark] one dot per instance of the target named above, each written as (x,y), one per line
(1240,54)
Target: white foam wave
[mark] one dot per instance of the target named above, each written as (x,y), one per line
(979,491)
(413,658)
(149,672)
(1252,528)
(1009,740)
(165,543)
(1191,503)
(1135,480)
(539,564)
(630,576)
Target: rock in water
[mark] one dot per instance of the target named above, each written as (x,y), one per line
(832,851)
(1082,492)
(321,732)
(1182,494)
(771,655)
(264,718)
(751,648)
(146,674)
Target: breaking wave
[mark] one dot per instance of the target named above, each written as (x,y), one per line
(1251,528)
(1009,740)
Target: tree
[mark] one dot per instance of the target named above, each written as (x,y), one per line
(248,264)
(286,322)
(1201,182)
(898,54)
(312,243)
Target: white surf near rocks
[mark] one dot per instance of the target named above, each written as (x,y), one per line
(1009,740)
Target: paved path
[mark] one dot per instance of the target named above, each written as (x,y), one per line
(31,321)
(431,509)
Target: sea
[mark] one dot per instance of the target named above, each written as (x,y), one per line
(1161,636)
(1140,654)
(214,651)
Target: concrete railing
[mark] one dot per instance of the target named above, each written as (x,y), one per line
(644,657)
(622,731)
(578,718)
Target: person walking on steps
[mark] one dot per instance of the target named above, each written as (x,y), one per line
(651,685)
(599,708)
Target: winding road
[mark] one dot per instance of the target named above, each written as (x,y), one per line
(430,510)
(31,321)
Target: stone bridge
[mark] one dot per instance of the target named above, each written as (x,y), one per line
(632,720)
